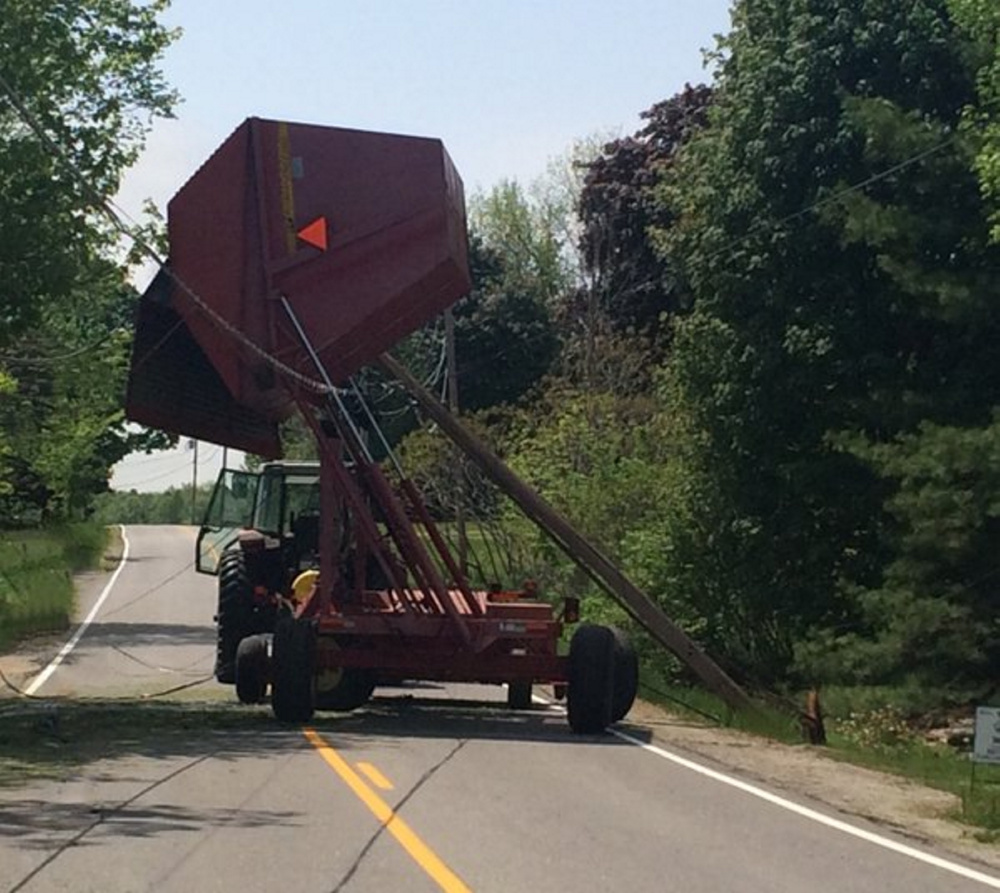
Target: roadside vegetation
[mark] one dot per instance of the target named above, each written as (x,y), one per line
(172,506)
(36,568)
(65,298)
(885,738)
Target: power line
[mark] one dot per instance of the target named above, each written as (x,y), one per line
(15,360)
(209,458)
(164,474)
(860,186)
(109,210)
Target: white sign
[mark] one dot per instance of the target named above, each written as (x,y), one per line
(986,747)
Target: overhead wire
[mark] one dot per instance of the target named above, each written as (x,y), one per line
(115,215)
(106,207)
(16,359)
(185,463)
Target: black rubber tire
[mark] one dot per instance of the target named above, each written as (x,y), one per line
(519,695)
(626,684)
(233,614)
(252,669)
(353,690)
(591,679)
(293,657)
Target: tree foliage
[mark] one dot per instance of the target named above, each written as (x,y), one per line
(824,311)
(505,340)
(809,489)
(980,20)
(80,86)
(630,283)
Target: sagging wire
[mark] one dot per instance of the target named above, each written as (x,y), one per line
(372,415)
(666,696)
(185,463)
(15,360)
(178,671)
(106,207)
(115,214)
(420,782)
(67,699)
(148,592)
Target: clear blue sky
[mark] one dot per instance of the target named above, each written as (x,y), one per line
(506,84)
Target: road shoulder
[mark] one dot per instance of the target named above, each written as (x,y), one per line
(900,805)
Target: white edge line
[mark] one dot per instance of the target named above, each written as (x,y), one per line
(43,677)
(804,811)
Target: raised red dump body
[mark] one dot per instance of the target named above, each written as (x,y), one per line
(363,233)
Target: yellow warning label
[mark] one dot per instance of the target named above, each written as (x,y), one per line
(287,193)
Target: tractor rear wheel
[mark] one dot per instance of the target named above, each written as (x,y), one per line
(292,666)
(251,669)
(233,615)
(519,695)
(591,679)
(626,684)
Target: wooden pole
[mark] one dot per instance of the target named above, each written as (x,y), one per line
(194,484)
(599,568)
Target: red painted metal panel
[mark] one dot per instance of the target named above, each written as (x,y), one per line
(396,248)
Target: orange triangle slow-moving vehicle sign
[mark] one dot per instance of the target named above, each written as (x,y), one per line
(314,233)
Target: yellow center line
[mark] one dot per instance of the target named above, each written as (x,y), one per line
(375,777)
(422,854)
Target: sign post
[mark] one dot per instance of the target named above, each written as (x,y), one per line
(986,744)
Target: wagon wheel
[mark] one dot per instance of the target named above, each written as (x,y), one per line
(351,688)
(626,683)
(293,663)
(519,695)
(252,669)
(591,679)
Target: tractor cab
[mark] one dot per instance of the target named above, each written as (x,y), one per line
(274,511)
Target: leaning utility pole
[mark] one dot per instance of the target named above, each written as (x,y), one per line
(599,568)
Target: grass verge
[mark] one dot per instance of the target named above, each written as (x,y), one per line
(36,576)
(874,739)
(946,768)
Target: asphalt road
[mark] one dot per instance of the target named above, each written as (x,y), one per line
(428,788)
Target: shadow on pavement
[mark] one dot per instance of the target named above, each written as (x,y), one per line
(31,824)
(42,739)
(138,634)
(59,739)
(414,717)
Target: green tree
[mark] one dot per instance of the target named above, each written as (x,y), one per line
(526,235)
(981,21)
(86,71)
(934,619)
(79,86)
(814,315)
(629,282)
(505,339)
